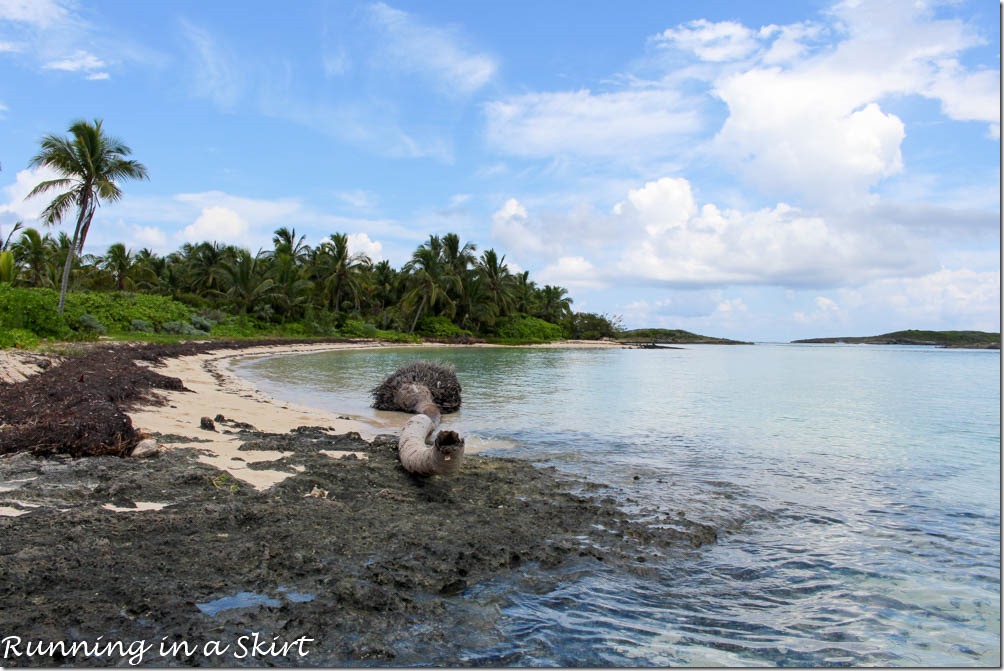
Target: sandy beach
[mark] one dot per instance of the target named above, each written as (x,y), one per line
(216,390)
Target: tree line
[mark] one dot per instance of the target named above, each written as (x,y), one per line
(445,288)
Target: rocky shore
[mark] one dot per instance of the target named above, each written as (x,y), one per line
(348,560)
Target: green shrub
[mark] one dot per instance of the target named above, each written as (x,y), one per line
(90,323)
(238,327)
(181,328)
(439,327)
(524,328)
(117,309)
(201,323)
(32,310)
(141,326)
(18,338)
(398,336)
(356,328)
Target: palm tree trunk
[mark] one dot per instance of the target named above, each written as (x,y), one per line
(444,457)
(421,307)
(64,284)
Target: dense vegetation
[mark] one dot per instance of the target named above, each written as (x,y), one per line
(446,291)
(673,337)
(961,339)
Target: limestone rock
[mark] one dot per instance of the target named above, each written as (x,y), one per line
(146,448)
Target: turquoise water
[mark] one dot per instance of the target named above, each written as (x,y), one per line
(857,490)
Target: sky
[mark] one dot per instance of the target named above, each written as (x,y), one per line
(755,170)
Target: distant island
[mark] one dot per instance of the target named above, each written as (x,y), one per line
(673,337)
(952,339)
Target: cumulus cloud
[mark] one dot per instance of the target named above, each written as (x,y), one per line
(806,108)
(680,243)
(15,207)
(946,298)
(216,224)
(573,272)
(511,228)
(360,243)
(660,234)
(815,127)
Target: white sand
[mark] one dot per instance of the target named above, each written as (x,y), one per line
(216,390)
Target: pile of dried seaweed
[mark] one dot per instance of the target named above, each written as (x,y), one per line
(78,407)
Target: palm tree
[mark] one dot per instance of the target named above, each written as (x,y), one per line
(285,242)
(35,253)
(554,304)
(458,260)
(89,163)
(494,274)
(119,262)
(247,283)
(524,292)
(204,263)
(8,267)
(430,283)
(5,242)
(338,270)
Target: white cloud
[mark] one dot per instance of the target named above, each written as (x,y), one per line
(83,62)
(686,245)
(827,312)
(661,205)
(947,298)
(360,243)
(722,41)
(626,125)
(815,142)
(217,75)
(16,207)
(815,127)
(572,272)
(807,107)
(968,96)
(510,227)
(436,53)
(359,199)
(39,13)
(77,62)
(217,224)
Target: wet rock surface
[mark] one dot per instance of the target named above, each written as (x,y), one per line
(366,561)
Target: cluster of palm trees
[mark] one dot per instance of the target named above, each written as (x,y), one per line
(294,281)
(291,282)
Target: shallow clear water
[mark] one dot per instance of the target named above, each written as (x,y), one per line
(857,490)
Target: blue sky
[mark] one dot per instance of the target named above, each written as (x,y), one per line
(758,170)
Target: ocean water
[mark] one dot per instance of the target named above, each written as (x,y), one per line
(856,490)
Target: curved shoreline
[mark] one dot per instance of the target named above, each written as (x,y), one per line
(208,387)
(336,544)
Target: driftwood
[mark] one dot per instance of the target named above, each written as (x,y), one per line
(439,378)
(424,388)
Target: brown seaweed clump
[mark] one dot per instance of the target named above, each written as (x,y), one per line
(439,378)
